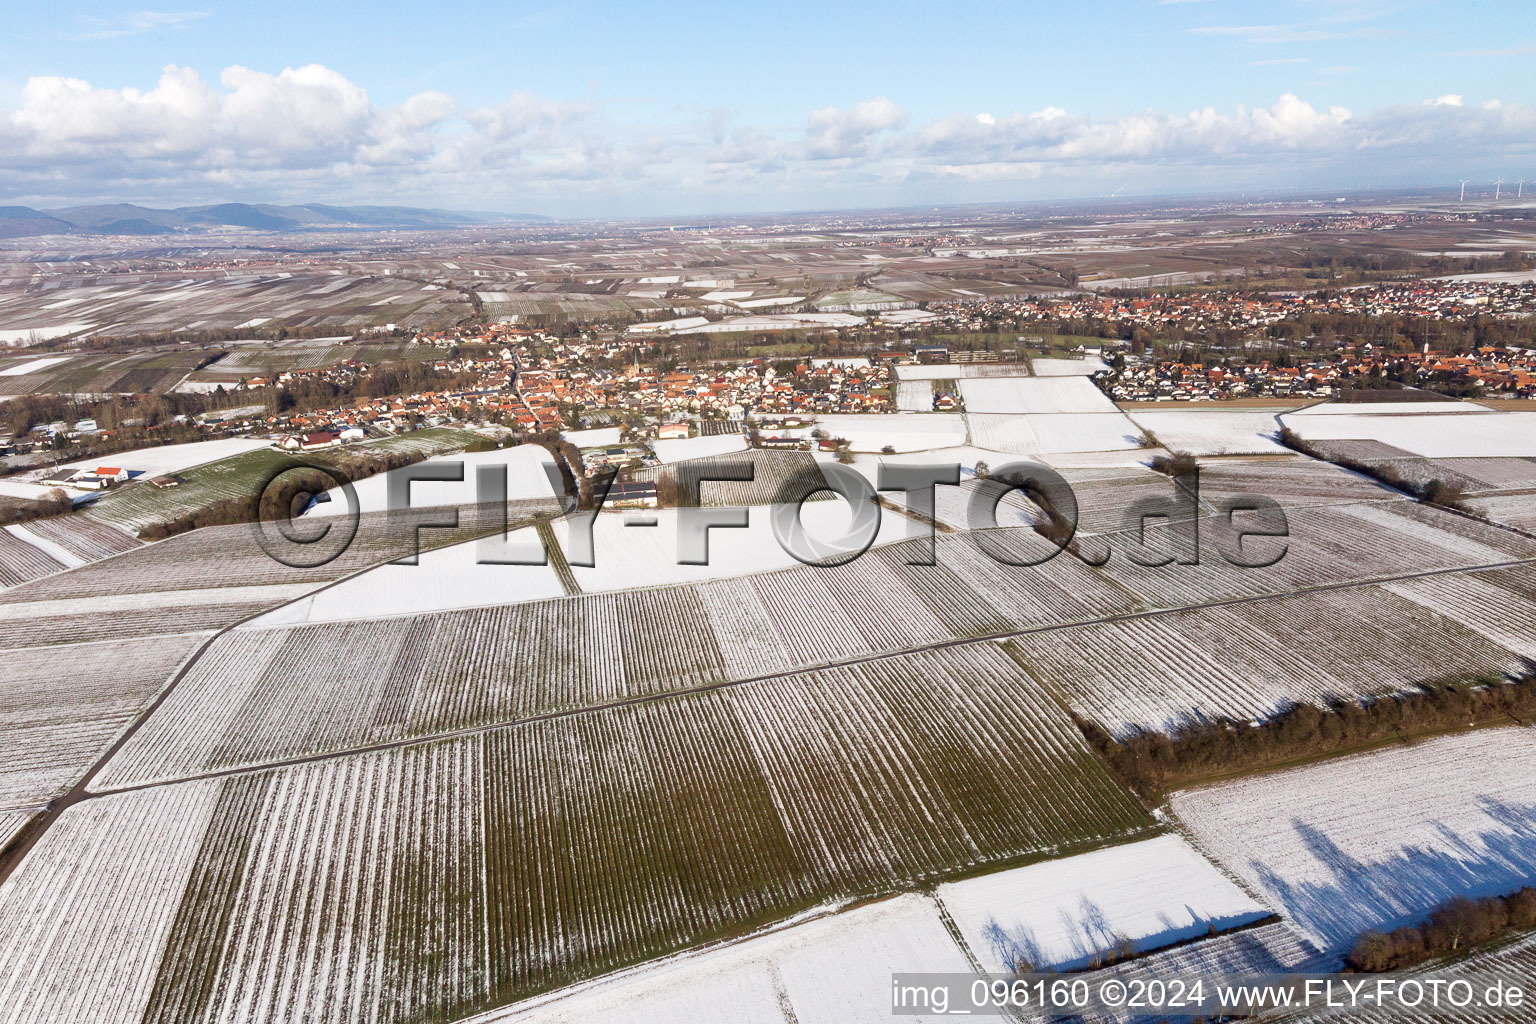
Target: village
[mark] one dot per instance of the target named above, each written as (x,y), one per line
(515,381)
(1196,311)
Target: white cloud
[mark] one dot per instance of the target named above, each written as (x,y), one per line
(308,112)
(1276,34)
(836,133)
(310,133)
(67,116)
(136,23)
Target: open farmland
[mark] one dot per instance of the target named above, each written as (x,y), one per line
(1266,949)
(1292,480)
(245,700)
(1498,603)
(247,359)
(1510,959)
(21,560)
(82,537)
(1044,366)
(1325,545)
(1053,433)
(776,476)
(1064,914)
(1203,432)
(1434,433)
(111,877)
(120,304)
(243,476)
(56,723)
(100,373)
(1104,496)
(902,431)
(802,790)
(211,578)
(478,789)
(1021,395)
(1377,840)
(741,619)
(1251,660)
(832,970)
(12,822)
(1517,510)
(914,396)
(703,446)
(173,458)
(530,473)
(957,371)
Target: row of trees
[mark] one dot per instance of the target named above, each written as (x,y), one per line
(1445,493)
(1453,927)
(1151,763)
(54,503)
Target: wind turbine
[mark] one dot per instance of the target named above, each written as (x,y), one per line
(1521,193)
(1496,186)
(1464,190)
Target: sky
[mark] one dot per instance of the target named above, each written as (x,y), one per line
(643,109)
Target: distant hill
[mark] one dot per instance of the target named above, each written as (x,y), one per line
(22,222)
(127,219)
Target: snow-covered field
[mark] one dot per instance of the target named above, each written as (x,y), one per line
(959,371)
(1517,510)
(914,395)
(1201,432)
(11,822)
(24,335)
(647,556)
(21,489)
(85,918)
(1053,433)
(1376,840)
(173,458)
(63,706)
(1463,433)
(593,438)
(15,613)
(528,476)
(1047,367)
(964,456)
(557,842)
(1060,913)
(445,578)
(1495,276)
(698,447)
(1124,457)
(33,366)
(828,970)
(1033,395)
(1373,409)
(626,556)
(47,546)
(903,431)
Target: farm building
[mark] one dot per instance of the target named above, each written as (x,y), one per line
(310,442)
(632,494)
(100,478)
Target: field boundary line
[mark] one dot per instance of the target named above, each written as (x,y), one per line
(55,808)
(725,684)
